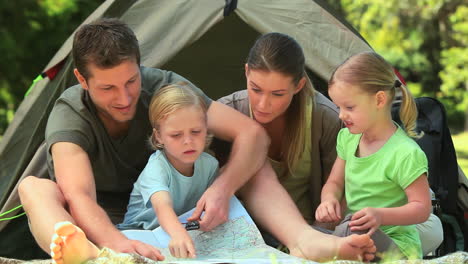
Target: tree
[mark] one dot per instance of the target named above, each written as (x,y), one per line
(31,32)
(425,39)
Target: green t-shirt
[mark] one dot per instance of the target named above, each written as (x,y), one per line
(116,163)
(379,180)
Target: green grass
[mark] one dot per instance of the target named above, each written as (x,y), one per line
(460,141)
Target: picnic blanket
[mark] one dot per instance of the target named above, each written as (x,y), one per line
(109,257)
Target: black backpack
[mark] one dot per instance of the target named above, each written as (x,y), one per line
(443,170)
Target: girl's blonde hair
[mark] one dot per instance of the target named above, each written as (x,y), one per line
(277,52)
(169,99)
(372,73)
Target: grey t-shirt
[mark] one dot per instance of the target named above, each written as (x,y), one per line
(116,163)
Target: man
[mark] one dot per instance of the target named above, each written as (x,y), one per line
(96,138)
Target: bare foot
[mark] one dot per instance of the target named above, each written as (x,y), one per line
(356,246)
(70,245)
(320,247)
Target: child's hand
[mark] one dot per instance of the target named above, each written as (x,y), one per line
(328,211)
(366,219)
(181,246)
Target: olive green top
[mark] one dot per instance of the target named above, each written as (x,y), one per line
(305,183)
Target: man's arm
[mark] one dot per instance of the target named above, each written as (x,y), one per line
(75,179)
(249,150)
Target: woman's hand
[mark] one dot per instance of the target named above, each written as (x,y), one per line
(328,211)
(366,219)
(181,246)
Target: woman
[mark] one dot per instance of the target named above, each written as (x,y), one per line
(302,124)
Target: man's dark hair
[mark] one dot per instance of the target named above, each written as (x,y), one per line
(106,43)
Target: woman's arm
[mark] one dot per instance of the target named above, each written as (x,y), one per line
(181,244)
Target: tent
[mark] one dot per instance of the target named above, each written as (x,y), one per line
(205,41)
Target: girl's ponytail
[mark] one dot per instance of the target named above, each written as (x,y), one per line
(408,111)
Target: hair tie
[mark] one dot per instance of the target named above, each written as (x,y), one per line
(397,84)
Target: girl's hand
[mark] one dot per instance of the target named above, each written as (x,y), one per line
(328,211)
(366,219)
(181,246)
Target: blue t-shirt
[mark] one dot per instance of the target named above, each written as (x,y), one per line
(160,175)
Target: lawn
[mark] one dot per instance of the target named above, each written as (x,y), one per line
(460,141)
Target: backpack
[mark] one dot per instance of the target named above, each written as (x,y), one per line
(443,173)
(462,191)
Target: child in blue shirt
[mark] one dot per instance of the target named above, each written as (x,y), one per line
(179,172)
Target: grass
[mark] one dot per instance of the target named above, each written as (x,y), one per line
(460,141)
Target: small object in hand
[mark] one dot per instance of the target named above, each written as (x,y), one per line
(192,225)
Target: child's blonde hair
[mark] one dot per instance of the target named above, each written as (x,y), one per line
(372,73)
(169,99)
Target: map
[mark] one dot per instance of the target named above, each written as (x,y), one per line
(228,240)
(236,241)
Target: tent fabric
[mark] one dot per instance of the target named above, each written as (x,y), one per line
(194,39)
(325,40)
(164,27)
(36,167)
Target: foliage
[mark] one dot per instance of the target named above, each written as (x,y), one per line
(425,39)
(454,60)
(31,32)
(461,147)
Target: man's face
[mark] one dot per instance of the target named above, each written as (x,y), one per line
(114,91)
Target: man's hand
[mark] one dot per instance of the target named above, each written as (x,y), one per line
(138,247)
(215,203)
(181,246)
(328,211)
(366,219)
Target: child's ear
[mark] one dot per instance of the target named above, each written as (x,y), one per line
(381,99)
(157,135)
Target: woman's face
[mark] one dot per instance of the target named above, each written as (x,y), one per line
(270,93)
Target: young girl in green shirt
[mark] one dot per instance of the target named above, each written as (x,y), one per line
(380,169)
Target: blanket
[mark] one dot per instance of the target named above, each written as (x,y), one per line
(106,256)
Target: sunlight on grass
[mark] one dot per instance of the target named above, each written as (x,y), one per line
(460,141)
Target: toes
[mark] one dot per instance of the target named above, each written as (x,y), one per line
(56,239)
(57,261)
(368,257)
(361,241)
(55,247)
(56,255)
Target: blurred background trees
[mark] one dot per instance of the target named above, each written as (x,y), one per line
(426,40)
(31,32)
